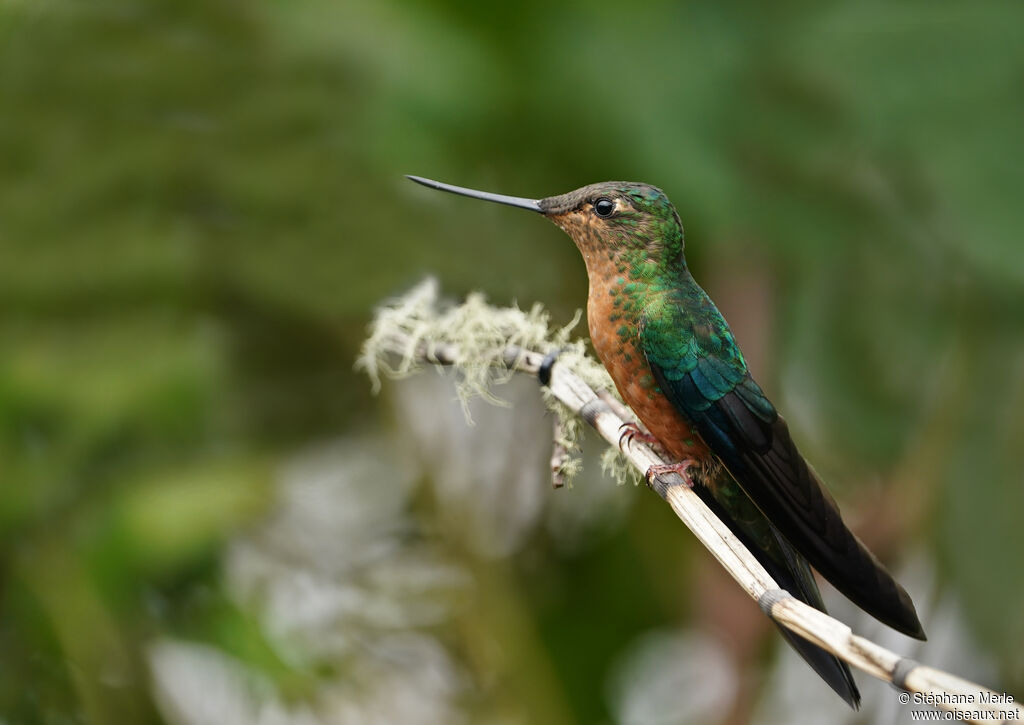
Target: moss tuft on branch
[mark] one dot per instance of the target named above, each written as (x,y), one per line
(475,339)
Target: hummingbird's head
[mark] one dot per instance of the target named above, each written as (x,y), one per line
(616,218)
(629,223)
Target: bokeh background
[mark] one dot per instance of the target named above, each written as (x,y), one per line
(206,517)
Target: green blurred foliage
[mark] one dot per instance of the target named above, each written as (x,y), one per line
(201,202)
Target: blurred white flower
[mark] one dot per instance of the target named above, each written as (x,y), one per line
(672,678)
(492,477)
(201,685)
(336,577)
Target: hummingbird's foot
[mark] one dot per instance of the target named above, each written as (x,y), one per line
(630,431)
(682,469)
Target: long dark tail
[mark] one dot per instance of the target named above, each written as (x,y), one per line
(792,573)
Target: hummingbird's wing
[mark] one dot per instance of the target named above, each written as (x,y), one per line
(699,368)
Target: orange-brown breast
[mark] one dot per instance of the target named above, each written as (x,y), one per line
(632,375)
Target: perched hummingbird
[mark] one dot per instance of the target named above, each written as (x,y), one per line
(676,364)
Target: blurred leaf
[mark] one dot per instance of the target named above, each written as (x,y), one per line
(180,514)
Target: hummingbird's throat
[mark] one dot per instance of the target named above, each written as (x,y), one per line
(637,249)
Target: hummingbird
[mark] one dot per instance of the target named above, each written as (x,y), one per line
(675,362)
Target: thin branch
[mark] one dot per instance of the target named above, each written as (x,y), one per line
(606,416)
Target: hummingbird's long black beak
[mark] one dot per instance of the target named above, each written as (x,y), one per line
(531,204)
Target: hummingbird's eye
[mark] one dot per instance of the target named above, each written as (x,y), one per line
(604,207)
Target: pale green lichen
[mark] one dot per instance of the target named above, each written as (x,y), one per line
(571,467)
(615,465)
(419,324)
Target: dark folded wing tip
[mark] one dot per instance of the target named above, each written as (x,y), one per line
(833,671)
(909,621)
